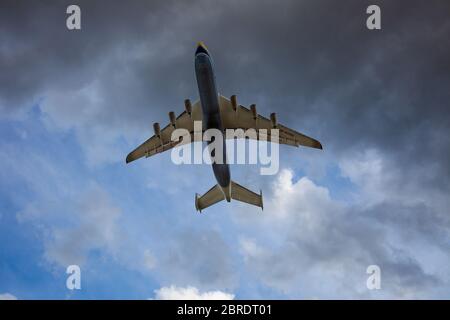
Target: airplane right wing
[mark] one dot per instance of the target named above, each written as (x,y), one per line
(161,141)
(235,116)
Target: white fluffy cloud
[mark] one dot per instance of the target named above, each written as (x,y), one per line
(190,293)
(7,296)
(321,247)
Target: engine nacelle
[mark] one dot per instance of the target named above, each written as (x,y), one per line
(254,112)
(188,106)
(273,119)
(234,102)
(173,119)
(157,129)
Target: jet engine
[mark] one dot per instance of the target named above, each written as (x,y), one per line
(157,129)
(254,112)
(273,119)
(188,106)
(172,119)
(233,102)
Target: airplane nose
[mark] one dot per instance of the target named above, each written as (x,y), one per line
(201,48)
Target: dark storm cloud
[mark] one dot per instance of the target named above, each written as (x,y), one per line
(350,86)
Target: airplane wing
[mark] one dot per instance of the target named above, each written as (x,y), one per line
(161,140)
(235,116)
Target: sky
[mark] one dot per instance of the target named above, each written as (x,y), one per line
(73,104)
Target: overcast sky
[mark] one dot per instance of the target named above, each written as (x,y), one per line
(74,103)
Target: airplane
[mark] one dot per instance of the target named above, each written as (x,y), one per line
(220,113)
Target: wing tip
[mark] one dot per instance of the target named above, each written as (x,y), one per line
(317,145)
(261,197)
(129,158)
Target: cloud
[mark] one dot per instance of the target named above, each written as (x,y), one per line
(321,247)
(199,257)
(384,90)
(149,260)
(190,293)
(96,228)
(7,296)
(408,204)
(378,101)
(387,86)
(72,213)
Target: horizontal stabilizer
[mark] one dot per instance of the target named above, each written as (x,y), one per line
(237,192)
(242,194)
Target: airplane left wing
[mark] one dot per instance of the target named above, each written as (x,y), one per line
(235,116)
(161,141)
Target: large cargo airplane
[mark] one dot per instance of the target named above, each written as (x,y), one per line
(217,112)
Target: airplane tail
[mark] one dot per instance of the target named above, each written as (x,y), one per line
(234,191)
(242,194)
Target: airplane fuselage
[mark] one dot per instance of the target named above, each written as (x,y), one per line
(217,114)
(209,99)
